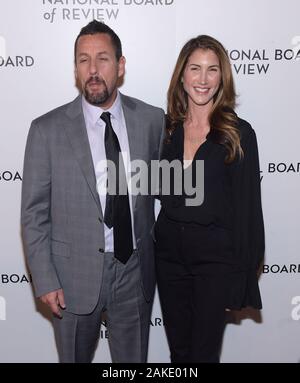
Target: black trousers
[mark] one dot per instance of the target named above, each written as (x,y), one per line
(193,288)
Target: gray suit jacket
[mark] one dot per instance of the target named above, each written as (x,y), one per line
(61,216)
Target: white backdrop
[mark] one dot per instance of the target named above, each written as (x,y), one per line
(36,75)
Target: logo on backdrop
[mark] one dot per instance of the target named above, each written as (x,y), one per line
(16,61)
(2,308)
(291,268)
(250,61)
(15,278)
(154,322)
(10,175)
(258,61)
(295,313)
(101,10)
(261,175)
(286,168)
(103,333)
(13,61)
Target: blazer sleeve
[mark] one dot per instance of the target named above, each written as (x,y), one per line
(35,212)
(248,229)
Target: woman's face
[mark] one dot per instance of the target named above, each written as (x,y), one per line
(202,77)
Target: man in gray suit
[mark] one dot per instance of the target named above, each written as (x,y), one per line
(89,252)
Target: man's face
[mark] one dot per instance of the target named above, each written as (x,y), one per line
(97,69)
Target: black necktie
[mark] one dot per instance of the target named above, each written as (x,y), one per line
(117,209)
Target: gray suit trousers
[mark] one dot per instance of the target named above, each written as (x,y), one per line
(127,316)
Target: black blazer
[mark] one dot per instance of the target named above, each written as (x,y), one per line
(232,200)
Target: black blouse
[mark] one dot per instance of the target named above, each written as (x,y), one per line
(232,200)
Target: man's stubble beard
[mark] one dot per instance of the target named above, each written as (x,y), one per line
(98,98)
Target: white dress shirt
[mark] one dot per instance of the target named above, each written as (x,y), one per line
(95,127)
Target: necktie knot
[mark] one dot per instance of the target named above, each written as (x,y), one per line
(105,116)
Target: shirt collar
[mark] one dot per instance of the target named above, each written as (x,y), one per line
(92,113)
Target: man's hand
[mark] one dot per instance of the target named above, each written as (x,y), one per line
(55,300)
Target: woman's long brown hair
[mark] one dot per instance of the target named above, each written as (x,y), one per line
(222,117)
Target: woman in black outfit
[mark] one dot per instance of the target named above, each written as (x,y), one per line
(207,255)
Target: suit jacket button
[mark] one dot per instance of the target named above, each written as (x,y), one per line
(101,250)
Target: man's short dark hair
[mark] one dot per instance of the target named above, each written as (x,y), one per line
(95,27)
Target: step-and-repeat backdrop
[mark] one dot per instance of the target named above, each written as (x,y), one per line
(37,74)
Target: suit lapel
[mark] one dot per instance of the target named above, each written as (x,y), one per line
(77,134)
(133,132)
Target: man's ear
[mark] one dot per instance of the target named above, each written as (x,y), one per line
(121,66)
(75,71)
